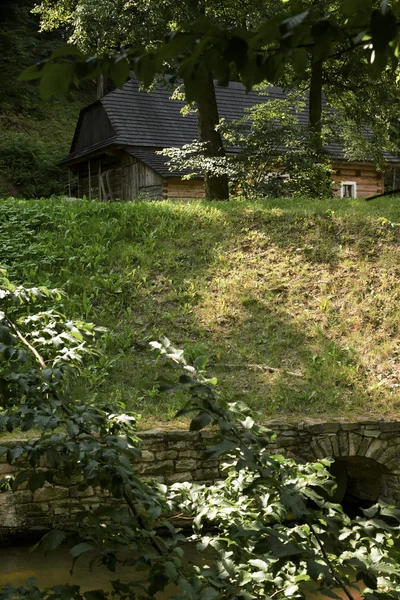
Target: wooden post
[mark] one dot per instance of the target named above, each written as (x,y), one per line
(69,182)
(79,182)
(99,181)
(90,182)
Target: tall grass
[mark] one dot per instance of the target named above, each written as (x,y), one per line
(294,302)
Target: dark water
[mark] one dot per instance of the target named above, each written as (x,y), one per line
(17,564)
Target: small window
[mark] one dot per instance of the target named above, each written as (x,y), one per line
(348,189)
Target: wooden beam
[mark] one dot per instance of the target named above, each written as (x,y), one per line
(99,181)
(90,182)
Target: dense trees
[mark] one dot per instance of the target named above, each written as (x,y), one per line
(140,23)
(35,135)
(314,47)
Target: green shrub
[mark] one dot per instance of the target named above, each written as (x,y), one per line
(31,166)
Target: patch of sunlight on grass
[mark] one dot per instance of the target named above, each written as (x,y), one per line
(293,301)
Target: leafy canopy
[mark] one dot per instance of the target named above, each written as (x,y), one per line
(253,55)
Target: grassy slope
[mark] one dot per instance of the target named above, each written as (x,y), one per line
(307,287)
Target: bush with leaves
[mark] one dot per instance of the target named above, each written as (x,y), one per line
(269,154)
(95,444)
(30,166)
(270,525)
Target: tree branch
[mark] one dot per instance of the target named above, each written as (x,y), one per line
(27,344)
(392,193)
(259,368)
(332,569)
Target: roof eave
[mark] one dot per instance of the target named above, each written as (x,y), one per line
(78,157)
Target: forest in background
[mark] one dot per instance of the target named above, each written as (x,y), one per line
(35,134)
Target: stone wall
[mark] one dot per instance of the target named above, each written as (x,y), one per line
(168,457)
(367,453)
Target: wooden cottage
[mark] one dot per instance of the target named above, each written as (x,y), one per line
(113,152)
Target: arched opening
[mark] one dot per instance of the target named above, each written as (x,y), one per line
(361,482)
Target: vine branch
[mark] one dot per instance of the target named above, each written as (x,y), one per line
(332,569)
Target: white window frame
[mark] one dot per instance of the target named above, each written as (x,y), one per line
(352,183)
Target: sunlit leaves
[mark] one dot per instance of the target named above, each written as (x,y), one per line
(253,55)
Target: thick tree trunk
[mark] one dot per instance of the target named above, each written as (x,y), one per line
(315,106)
(207,113)
(216,187)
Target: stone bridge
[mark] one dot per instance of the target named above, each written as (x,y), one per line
(366,453)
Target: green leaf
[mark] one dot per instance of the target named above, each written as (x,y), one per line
(31,73)
(66,50)
(371,511)
(383,29)
(299,61)
(315,569)
(158,583)
(389,511)
(53,458)
(325,591)
(200,363)
(5,335)
(277,548)
(119,71)
(95,595)
(294,21)
(55,79)
(37,480)
(72,429)
(21,477)
(80,549)
(13,453)
(52,540)
(200,421)
(356,7)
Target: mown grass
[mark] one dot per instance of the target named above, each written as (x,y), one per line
(309,288)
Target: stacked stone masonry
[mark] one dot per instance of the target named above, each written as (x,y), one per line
(368,453)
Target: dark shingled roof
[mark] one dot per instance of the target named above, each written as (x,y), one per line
(153,120)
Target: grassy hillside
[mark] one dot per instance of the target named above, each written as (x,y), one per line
(295,302)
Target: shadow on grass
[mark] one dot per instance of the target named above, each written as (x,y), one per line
(222,279)
(311,376)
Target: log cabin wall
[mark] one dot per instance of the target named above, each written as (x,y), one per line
(150,182)
(130,183)
(100,178)
(124,177)
(369,181)
(139,179)
(175,188)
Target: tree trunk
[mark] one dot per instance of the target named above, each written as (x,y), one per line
(216,187)
(315,106)
(100,92)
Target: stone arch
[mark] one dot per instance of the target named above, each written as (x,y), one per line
(361,482)
(376,441)
(363,449)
